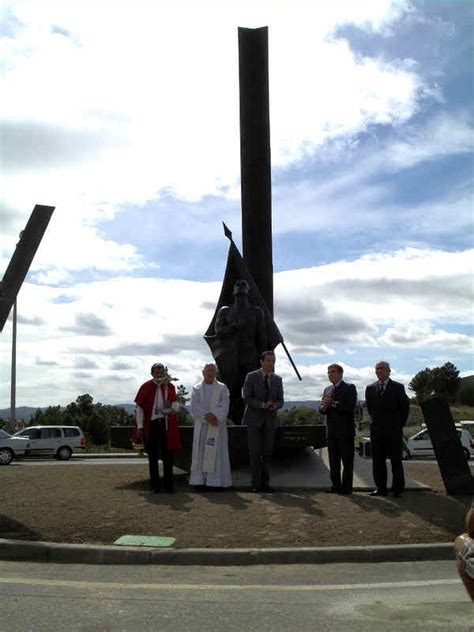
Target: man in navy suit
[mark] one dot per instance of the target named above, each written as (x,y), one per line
(388,406)
(263,396)
(338,404)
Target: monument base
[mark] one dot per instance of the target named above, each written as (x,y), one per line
(288,439)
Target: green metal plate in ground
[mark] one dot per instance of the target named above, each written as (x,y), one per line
(145,540)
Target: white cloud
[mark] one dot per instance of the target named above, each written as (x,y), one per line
(419,335)
(379,287)
(117,123)
(343,95)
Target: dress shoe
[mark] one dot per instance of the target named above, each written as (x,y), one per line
(344,492)
(397,494)
(376,492)
(255,489)
(332,491)
(168,490)
(266,489)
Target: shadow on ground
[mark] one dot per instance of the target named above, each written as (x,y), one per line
(12,529)
(433,507)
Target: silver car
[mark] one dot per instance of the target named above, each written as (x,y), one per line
(11,447)
(420,444)
(58,441)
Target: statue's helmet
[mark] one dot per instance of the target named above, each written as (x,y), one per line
(241,287)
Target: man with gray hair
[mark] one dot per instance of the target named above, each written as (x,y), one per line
(210,465)
(157,422)
(388,407)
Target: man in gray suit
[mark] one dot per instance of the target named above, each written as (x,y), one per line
(263,396)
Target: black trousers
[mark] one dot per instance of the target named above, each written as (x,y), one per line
(387,447)
(341,452)
(260,442)
(156,448)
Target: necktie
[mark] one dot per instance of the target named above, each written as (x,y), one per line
(266,383)
(381,388)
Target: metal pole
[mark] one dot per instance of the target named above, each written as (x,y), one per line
(13,375)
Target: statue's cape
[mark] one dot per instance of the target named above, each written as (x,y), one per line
(236,269)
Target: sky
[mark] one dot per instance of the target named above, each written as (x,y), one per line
(125,117)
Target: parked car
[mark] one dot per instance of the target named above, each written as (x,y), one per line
(58,441)
(11,447)
(468,424)
(420,444)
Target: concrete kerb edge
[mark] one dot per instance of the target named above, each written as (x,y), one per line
(21,550)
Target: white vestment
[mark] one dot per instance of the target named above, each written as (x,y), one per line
(210,458)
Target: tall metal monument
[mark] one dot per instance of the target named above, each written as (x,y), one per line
(255,159)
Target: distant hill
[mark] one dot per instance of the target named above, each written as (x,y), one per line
(295,404)
(26,412)
(22,412)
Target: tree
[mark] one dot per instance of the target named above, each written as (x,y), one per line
(421,384)
(446,380)
(98,430)
(443,380)
(300,416)
(84,404)
(182,395)
(184,418)
(50,416)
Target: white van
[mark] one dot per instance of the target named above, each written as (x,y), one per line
(420,444)
(58,441)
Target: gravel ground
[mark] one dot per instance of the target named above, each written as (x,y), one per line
(98,504)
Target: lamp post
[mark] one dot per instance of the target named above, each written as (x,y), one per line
(13,374)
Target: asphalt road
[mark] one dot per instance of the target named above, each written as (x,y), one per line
(134,459)
(82,460)
(350,597)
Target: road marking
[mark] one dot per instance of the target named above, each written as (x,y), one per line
(229,587)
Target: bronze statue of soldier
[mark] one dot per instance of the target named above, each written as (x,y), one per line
(239,340)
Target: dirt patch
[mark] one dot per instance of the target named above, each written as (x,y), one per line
(99,503)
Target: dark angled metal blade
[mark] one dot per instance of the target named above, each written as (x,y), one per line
(21,260)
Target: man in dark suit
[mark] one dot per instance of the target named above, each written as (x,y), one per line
(338,404)
(263,396)
(388,407)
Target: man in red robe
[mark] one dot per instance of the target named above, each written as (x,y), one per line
(157,422)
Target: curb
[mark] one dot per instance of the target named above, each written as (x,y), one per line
(106,455)
(21,550)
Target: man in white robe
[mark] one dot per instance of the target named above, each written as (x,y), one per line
(209,407)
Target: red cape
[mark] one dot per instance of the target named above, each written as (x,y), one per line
(146,398)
